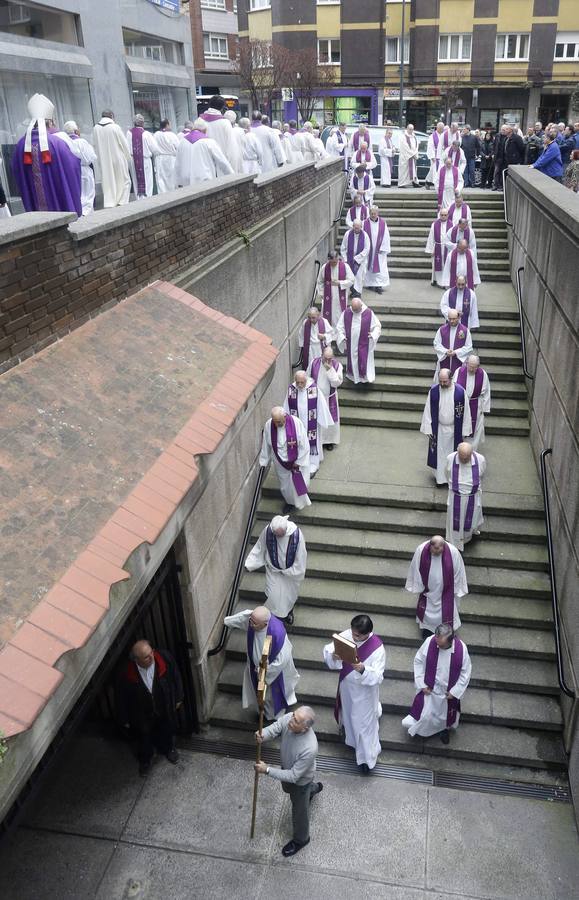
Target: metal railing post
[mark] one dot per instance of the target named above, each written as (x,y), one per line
(505,203)
(526,372)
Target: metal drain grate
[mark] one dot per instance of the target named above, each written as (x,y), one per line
(400,773)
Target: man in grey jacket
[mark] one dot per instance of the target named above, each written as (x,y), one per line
(299,747)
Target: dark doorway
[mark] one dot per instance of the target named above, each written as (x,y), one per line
(553,108)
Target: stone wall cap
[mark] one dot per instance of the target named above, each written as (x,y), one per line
(277,174)
(329,161)
(27,225)
(558,201)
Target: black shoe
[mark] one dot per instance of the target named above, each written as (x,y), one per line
(144,768)
(364,769)
(289,619)
(293,847)
(172,756)
(433,283)
(379,290)
(329,447)
(444,736)
(318,790)
(287,508)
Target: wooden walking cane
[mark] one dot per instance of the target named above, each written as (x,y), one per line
(261,692)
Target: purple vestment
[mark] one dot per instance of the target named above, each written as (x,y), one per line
(374,256)
(457,495)
(464,316)
(52,185)
(469,270)
(430,678)
(478,386)
(363,340)
(307,338)
(452,362)
(333,397)
(327,307)
(447,583)
(360,241)
(292,548)
(459,401)
(292,400)
(299,483)
(278,635)
(441,182)
(138,158)
(363,652)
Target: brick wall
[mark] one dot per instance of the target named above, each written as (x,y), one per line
(53,281)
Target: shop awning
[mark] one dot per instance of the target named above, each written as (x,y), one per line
(145,71)
(17,57)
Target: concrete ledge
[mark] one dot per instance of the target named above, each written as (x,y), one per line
(28,224)
(277,174)
(557,201)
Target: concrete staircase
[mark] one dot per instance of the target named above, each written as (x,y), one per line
(373,502)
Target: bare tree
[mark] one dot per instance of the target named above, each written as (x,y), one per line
(261,68)
(450,87)
(307,79)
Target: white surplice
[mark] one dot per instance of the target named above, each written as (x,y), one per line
(85,152)
(462,353)
(459,237)
(345,284)
(328,379)
(285,479)
(434,154)
(484,406)
(220,130)
(461,537)
(150,150)
(381,278)
(447,177)
(341,341)
(252,154)
(282,586)
(415,585)
(455,213)
(201,161)
(323,421)
(338,146)
(283,664)
(271,150)
(357,187)
(461,268)
(317,341)
(360,258)
(473,321)
(386,155)
(113,155)
(407,153)
(167,142)
(435,709)
(359,159)
(361,707)
(450,154)
(355,212)
(445,438)
(431,247)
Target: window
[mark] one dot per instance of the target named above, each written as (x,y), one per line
(146,46)
(215,46)
(329,52)
(261,55)
(30,20)
(512,46)
(213,4)
(393,50)
(259,4)
(335,2)
(454,47)
(567,46)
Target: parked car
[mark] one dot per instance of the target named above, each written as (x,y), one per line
(376,135)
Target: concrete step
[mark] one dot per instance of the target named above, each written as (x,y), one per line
(413,384)
(417,273)
(383,418)
(404,367)
(396,346)
(375,399)
(429,325)
(424,338)
(417,259)
(385,306)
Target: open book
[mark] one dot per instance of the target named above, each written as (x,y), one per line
(345,649)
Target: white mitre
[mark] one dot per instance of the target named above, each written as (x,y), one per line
(40,108)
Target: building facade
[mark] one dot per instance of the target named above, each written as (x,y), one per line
(215,41)
(131,56)
(477,61)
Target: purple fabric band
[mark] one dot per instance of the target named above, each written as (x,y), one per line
(354,251)
(292,548)
(477,389)
(292,454)
(333,397)
(453,362)
(307,338)
(439,250)
(357,138)
(430,677)
(459,401)
(327,307)
(375,250)
(138,160)
(452,296)
(442,180)
(363,652)
(363,340)
(447,583)
(210,117)
(469,271)
(277,688)
(411,160)
(193,136)
(292,399)
(457,495)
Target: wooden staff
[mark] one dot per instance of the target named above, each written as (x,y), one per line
(261,692)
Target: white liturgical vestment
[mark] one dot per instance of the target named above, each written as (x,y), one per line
(281,585)
(324,419)
(267,456)
(473,321)
(484,406)
(342,341)
(415,585)
(465,486)
(445,437)
(435,710)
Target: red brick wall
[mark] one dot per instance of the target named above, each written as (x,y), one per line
(51,283)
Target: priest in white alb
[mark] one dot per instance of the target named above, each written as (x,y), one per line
(113,155)
(143,147)
(456,154)
(449,180)
(358,708)
(364,156)
(315,334)
(219,130)
(446,421)
(461,232)
(408,159)
(465,470)
(199,157)
(362,182)
(442,671)
(281,677)
(328,374)
(357,333)
(436,246)
(461,261)
(281,548)
(438,577)
(85,152)
(475,381)
(434,150)
(334,282)
(358,210)
(271,149)
(308,403)
(377,277)
(460,297)
(361,135)
(459,209)
(285,444)
(452,344)
(386,152)
(355,249)
(252,157)
(167,143)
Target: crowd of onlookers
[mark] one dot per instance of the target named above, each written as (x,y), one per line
(553,150)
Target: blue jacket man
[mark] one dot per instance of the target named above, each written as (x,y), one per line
(549,163)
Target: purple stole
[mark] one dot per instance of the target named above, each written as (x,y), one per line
(307,336)
(363,652)
(410,161)
(457,496)
(440,252)
(354,251)
(340,139)
(137,141)
(455,156)
(446,138)
(454,235)
(255,124)
(299,483)
(357,138)
(327,307)
(459,401)
(366,182)
(210,117)
(478,384)
(388,143)
(469,273)
(463,211)
(456,661)
(278,635)
(194,135)
(374,261)
(292,400)
(358,157)
(465,304)
(363,342)
(441,181)
(333,397)
(452,362)
(363,210)
(447,583)
(292,548)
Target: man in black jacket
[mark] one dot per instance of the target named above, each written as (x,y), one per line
(514,152)
(471,146)
(149,693)
(499,151)
(487,162)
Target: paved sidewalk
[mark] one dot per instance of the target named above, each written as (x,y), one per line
(183,833)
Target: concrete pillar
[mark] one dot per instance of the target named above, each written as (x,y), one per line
(533,107)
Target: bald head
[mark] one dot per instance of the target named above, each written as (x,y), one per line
(461,282)
(259,618)
(464,451)
(278,416)
(462,245)
(356,305)
(444,378)
(327,354)
(142,654)
(443,214)
(437,543)
(453,317)
(313,314)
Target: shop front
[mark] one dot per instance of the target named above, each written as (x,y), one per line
(340,105)
(422,107)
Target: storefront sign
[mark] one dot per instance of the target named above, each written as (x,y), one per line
(171,5)
(412,93)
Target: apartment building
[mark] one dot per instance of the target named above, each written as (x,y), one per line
(215,41)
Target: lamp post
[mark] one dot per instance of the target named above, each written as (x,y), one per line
(401,103)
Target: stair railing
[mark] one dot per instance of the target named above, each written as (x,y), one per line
(318,266)
(526,372)
(505,201)
(554,597)
(241,560)
(339,216)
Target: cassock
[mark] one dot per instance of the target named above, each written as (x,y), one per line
(113,153)
(363,184)
(434,151)
(454,424)
(386,154)
(85,152)
(407,160)
(436,246)
(285,561)
(466,303)
(272,154)
(142,147)
(334,297)
(298,145)
(291,481)
(356,249)
(281,677)
(311,406)
(460,264)
(321,151)
(460,211)
(251,154)
(434,712)
(167,143)
(377,271)
(337,144)
(454,234)
(363,157)
(478,392)
(319,335)
(358,707)
(451,136)
(328,381)
(310,150)
(358,333)
(357,212)
(464,512)
(220,130)
(458,158)
(439,581)
(449,180)
(457,338)
(200,158)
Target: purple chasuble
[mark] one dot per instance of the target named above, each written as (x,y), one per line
(292,548)
(452,362)
(137,146)
(312,427)
(447,583)
(327,307)
(354,251)
(299,483)
(363,652)
(457,495)
(374,261)
(307,338)
(456,661)
(476,392)
(363,340)
(333,397)
(194,136)
(464,316)
(459,401)
(441,182)
(469,271)
(278,635)
(48,186)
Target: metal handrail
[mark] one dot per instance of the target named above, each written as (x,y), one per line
(505,204)
(241,560)
(554,598)
(318,266)
(339,216)
(526,372)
